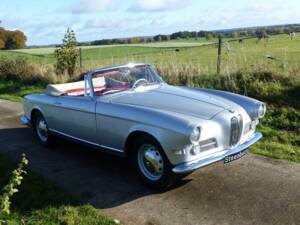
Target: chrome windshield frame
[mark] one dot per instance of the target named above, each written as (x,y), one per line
(88,83)
(90,75)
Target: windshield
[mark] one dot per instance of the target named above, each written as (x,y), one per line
(124,78)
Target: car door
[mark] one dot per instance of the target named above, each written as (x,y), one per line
(74,116)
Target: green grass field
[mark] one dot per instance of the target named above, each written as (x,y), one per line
(280,54)
(192,42)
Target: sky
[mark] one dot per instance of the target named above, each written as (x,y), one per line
(44,22)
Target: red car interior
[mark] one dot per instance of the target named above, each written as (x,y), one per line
(98,90)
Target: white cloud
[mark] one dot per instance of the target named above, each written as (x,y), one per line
(103,23)
(117,24)
(87,6)
(157,5)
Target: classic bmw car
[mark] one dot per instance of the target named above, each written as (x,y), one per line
(129,110)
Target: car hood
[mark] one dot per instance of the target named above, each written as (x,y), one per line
(175,99)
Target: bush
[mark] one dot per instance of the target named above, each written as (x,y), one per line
(67,54)
(284,118)
(11,188)
(19,69)
(264,85)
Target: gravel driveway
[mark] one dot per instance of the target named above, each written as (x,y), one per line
(253,190)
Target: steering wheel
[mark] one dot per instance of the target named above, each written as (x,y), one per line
(138,81)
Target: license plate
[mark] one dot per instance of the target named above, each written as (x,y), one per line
(230,158)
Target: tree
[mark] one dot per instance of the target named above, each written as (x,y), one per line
(201,33)
(67,54)
(196,35)
(2,44)
(15,39)
(209,36)
(2,38)
(134,40)
(244,33)
(279,30)
(221,35)
(235,35)
(12,39)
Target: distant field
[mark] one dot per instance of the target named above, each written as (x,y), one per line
(279,53)
(163,44)
(45,51)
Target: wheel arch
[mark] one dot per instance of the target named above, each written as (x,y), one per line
(34,111)
(136,134)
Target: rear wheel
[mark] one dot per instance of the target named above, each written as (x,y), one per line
(41,130)
(152,163)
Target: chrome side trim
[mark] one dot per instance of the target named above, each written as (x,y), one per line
(87,142)
(71,108)
(110,148)
(25,120)
(188,167)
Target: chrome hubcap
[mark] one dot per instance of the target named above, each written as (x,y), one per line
(42,129)
(150,162)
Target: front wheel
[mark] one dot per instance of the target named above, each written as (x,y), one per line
(41,130)
(152,163)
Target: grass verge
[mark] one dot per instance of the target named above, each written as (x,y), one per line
(281,134)
(16,90)
(41,202)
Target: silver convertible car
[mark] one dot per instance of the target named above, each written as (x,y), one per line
(129,110)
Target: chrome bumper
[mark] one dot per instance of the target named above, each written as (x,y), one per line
(188,167)
(24,120)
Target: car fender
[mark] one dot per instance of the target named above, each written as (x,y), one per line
(169,140)
(250,105)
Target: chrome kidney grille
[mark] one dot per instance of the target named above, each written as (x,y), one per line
(236,129)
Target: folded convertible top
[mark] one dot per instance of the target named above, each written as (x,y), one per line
(72,88)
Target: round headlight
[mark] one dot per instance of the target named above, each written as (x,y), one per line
(261,110)
(195,135)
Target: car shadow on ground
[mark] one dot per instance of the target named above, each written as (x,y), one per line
(98,178)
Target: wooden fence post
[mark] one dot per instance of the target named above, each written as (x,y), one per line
(219,55)
(80,57)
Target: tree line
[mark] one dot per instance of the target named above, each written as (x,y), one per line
(258,32)
(12,39)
